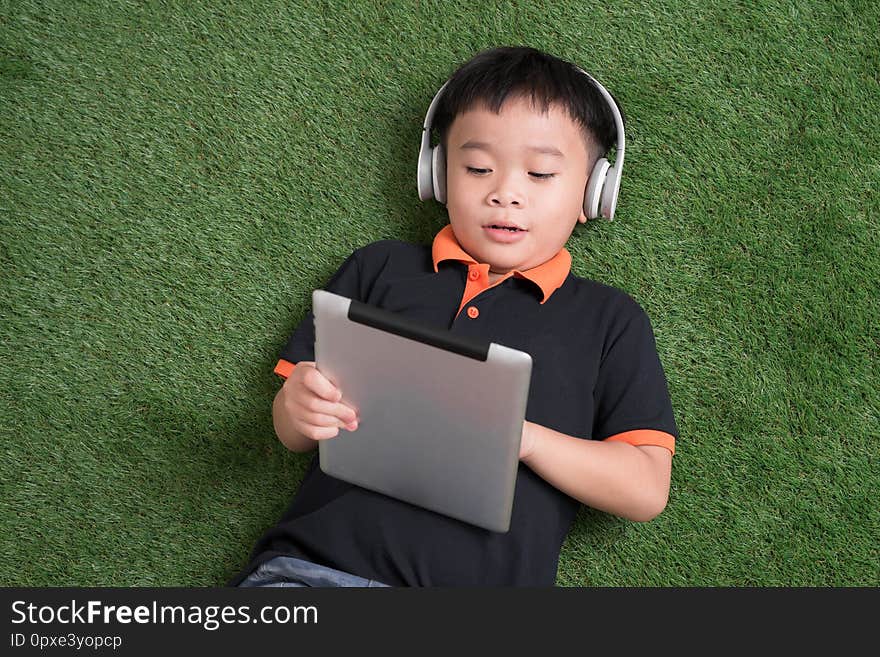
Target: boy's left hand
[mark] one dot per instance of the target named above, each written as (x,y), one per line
(527,443)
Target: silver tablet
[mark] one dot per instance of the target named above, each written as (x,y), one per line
(441,414)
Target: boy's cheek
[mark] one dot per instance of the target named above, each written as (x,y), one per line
(459,182)
(455,190)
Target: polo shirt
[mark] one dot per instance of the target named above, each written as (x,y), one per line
(596,375)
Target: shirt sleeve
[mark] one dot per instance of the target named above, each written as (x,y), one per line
(300,345)
(631,396)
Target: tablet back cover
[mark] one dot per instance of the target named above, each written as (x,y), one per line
(438,429)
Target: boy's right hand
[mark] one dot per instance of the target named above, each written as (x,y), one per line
(313,404)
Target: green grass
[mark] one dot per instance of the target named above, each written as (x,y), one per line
(176,177)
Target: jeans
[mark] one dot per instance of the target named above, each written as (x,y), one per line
(288,571)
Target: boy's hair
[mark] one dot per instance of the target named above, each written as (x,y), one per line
(492,76)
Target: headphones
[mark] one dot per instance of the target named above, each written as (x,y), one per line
(603,185)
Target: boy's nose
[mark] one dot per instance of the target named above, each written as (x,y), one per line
(503,198)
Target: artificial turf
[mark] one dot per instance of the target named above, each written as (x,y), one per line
(177,177)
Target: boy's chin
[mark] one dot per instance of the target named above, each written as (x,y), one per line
(497,266)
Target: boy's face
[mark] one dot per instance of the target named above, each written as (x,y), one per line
(518,167)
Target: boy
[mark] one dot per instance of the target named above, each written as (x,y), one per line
(521,131)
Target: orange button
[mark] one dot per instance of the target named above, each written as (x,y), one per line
(473,313)
(473,274)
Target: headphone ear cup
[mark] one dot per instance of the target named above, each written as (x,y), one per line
(609,193)
(424,175)
(438,173)
(594,188)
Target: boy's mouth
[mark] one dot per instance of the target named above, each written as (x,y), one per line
(505,233)
(505,226)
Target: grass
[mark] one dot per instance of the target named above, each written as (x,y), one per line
(175,179)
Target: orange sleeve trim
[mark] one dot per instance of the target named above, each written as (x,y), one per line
(283,368)
(646,437)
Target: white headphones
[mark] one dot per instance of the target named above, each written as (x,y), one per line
(603,185)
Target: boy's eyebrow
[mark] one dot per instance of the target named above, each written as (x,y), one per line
(483,146)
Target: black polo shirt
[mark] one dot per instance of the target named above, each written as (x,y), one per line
(596,375)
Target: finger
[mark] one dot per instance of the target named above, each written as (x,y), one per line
(347,414)
(318,433)
(344,414)
(318,406)
(326,421)
(321,385)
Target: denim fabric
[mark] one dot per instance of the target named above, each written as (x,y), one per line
(288,571)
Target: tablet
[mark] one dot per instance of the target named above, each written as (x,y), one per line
(441,414)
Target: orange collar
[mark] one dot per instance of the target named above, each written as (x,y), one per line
(549,276)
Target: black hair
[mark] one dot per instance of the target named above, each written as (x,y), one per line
(491,76)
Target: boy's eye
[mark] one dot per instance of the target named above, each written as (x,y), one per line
(534,174)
